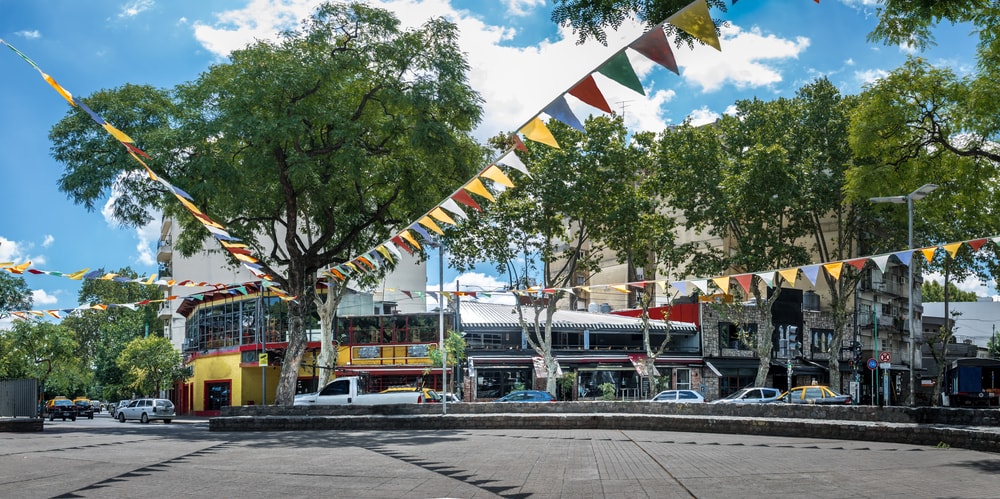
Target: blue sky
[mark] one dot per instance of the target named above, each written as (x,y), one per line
(520,61)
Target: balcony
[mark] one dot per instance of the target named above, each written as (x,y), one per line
(164,251)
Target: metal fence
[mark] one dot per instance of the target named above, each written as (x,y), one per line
(18,398)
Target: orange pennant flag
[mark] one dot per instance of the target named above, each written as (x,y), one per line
(493,173)
(929,253)
(537,131)
(834,269)
(697,22)
(62,91)
(476,187)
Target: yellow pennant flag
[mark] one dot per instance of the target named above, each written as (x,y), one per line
(929,253)
(118,134)
(409,238)
(537,131)
(722,283)
(620,287)
(834,269)
(384,252)
(476,187)
(19,269)
(427,222)
(62,91)
(440,215)
(790,275)
(493,173)
(697,22)
(952,248)
(151,279)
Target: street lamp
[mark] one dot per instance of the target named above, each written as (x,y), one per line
(916,195)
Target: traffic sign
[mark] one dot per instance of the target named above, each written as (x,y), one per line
(884,357)
(872,364)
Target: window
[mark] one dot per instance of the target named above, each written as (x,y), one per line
(217,395)
(683,377)
(821,340)
(734,337)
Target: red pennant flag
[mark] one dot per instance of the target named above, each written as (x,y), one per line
(462,196)
(588,92)
(745,280)
(655,47)
(975,244)
(399,242)
(518,144)
(858,263)
(136,150)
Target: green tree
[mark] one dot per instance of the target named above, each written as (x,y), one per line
(933,291)
(152,365)
(312,149)
(454,346)
(47,352)
(103,334)
(590,18)
(14,294)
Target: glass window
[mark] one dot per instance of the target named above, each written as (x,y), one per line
(217,395)
(683,377)
(813,392)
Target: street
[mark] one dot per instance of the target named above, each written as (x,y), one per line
(104,458)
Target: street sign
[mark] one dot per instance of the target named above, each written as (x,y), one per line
(884,357)
(872,364)
(262,359)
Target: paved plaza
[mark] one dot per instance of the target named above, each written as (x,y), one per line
(184,459)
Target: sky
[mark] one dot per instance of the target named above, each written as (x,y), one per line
(520,61)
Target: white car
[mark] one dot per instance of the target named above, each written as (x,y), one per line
(146,410)
(752,395)
(678,396)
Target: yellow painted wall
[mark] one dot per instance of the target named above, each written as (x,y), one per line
(245,382)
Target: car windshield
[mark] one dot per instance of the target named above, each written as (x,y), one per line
(735,395)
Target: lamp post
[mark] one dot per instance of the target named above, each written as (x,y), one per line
(916,195)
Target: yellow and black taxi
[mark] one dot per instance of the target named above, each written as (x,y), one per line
(84,408)
(815,394)
(62,408)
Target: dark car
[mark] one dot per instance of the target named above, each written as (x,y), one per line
(815,394)
(84,408)
(61,408)
(527,396)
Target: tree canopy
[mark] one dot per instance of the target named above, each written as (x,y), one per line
(311,149)
(933,291)
(590,18)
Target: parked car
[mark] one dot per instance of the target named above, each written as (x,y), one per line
(815,394)
(752,395)
(97,405)
(527,396)
(146,410)
(114,408)
(62,408)
(678,396)
(83,407)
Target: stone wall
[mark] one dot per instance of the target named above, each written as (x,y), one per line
(21,425)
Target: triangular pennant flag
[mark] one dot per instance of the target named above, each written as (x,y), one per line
(510,159)
(881,261)
(811,272)
(559,109)
(62,91)
(655,47)
(476,187)
(680,286)
(619,69)
(834,269)
(697,22)
(663,286)
(929,253)
(952,248)
(420,230)
(384,252)
(744,280)
(588,92)
(450,205)
(440,215)
(493,173)
(463,197)
(904,257)
(858,263)
(789,275)
(427,222)
(722,283)
(537,131)
(619,287)
(118,134)
(399,242)
(767,277)
(409,238)
(701,284)
(518,144)
(975,244)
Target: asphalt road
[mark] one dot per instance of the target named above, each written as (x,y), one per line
(104,458)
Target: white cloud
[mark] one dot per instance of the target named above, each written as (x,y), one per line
(870,76)
(41,297)
(49,239)
(972,284)
(478,282)
(29,34)
(17,252)
(849,62)
(522,8)
(748,59)
(703,116)
(135,8)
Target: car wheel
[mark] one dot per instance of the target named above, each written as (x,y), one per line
(144,418)
(64,418)
(167,421)
(121,417)
(90,417)
(72,418)
(52,417)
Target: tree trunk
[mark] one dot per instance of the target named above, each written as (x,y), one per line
(298,309)
(327,309)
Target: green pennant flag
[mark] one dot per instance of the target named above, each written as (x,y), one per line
(619,68)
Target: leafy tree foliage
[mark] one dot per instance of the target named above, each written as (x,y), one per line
(590,18)
(933,291)
(311,149)
(455,348)
(151,364)
(14,294)
(767,181)
(46,351)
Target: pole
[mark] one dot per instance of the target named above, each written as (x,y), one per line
(909,299)
(875,378)
(444,354)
